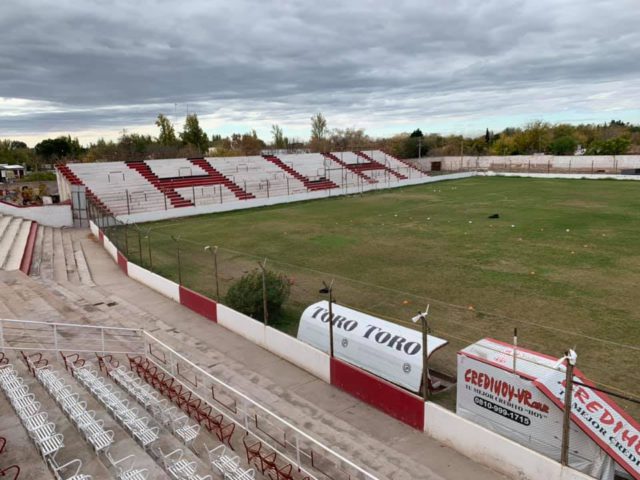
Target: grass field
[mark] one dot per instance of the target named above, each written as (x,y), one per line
(562,263)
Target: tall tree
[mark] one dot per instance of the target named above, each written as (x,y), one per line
(193,134)
(318,133)
(279,140)
(167,135)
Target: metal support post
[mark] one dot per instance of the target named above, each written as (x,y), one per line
(265,310)
(571,358)
(328,289)
(177,240)
(422,316)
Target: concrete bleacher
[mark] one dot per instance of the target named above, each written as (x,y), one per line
(174,167)
(122,189)
(393,163)
(14,234)
(258,176)
(141,186)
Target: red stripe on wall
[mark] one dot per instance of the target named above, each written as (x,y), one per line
(122,263)
(27,256)
(392,400)
(199,303)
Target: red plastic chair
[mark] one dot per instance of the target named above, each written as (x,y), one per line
(253,450)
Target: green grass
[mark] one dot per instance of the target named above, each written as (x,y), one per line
(562,263)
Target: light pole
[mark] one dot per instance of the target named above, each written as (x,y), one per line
(214,252)
(422,316)
(265,311)
(328,289)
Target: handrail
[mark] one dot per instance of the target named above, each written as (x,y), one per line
(264,409)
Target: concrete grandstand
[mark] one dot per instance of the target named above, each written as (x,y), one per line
(125,188)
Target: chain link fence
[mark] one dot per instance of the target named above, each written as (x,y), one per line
(211,270)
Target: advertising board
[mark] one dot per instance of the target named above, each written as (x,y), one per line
(383,348)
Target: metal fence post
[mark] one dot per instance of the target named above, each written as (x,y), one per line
(139,245)
(149,247)
(177,240)
(568,400)
(126,239)
(126,192)
(265,310)
(55,337)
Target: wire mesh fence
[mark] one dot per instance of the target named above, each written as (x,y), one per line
(212,270)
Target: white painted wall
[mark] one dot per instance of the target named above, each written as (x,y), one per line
(241,324)
(585,163)
(287,347)
(570,176)
(111,249)
(58,215)
(154,281)
(263,202)
(491,449)
(304,356)
(94,229)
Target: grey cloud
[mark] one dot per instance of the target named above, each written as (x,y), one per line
(106,64)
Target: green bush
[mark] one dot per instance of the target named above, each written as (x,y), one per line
(246,294)
(39,177)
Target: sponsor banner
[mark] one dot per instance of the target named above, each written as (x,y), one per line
(383,348)
(510,404)
(600,418)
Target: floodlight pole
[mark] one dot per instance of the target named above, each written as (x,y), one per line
(568,392)
(265,313)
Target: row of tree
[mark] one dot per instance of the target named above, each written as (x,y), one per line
(613,138)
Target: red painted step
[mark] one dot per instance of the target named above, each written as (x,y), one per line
(406,163)
(380,165)
(219,178)
(74,180)
(354,167)
(174,197)
(310,184)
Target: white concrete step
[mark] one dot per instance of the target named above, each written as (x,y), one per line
(4,222)
(19,244)
(8,238)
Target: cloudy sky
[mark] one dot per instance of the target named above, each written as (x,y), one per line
(94,67)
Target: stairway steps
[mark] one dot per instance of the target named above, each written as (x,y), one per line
(58,261)
(37,252)
(8,239)
(219,178)
(14,258)
(81,263)
(310,184)
(69,258)
(349,166)
(175,198)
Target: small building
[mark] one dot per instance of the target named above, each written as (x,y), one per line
(10,173)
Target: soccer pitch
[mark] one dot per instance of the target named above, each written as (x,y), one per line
(561,263)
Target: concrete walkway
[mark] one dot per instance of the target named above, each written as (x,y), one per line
(364,435)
